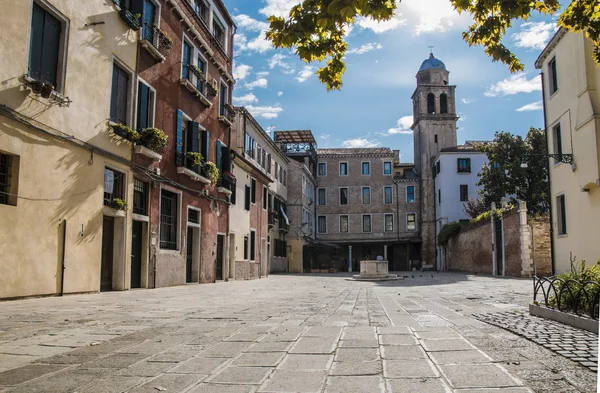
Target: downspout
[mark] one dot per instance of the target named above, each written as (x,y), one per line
(548,169)
(64,250)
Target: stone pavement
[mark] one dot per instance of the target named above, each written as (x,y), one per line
(292,333)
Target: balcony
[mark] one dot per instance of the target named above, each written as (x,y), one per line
(226,183)
(156,42)
(273,218)
(283,226)
(131,20)
(195,82)
(187,166)
(151,143)
(227,114)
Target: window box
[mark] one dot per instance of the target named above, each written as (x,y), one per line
(144,151)
(124,132)
(46,90)
(112,212)
(156,41)
(199,88)
(132,21)
(187,166)
(211,90)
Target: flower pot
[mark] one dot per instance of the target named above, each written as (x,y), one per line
(47,90)
(36,87)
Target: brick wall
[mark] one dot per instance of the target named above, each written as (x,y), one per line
(471,250)
(542,257)
(512,244)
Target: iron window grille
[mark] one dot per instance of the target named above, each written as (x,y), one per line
(464,192)
(118,190)
(140,197)
(168,220)
(5,177)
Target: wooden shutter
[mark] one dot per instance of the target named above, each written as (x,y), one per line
(114,93)
(247,198)
(205,144)
(143,106)
(193,143)
(179,132)
(35,44)
(218,155)
(225,158)
(252,245)
(51,42)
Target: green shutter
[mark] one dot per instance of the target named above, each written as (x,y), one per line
(205,145)
(179,135)
(192,137)
(143,105)
(218,155)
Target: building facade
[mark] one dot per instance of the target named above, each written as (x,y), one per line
(570,78)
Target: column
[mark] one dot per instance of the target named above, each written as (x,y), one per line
(350,259)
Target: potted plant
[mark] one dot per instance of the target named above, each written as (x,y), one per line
(47,90)
(119,204)
(197,71)
(154,139)
(125,132)
(212,171)
(212,89)
(195,157)
(36,87)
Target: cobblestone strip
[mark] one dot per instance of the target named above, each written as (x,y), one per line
(578,345)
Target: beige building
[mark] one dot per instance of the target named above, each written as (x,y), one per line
(62,168)
(572,116)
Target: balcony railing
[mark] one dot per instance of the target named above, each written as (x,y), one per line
(157,42)
(129,18)
(183,161)
(227,113)
(226,182)
(273,218)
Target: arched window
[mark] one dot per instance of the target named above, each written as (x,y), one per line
(443,103)
(430,103)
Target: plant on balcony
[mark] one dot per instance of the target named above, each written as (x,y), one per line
(197,71)
(165,39)
(125,132)
(212,171)
(229,176)
(195,157)
(154,139)
(119,204)
(212,90)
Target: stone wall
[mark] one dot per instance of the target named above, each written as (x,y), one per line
(471,250)
(245,270)
(542,250)
(513,251)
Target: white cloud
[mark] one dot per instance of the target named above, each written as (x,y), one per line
(466,100)
(248,23)
(245,99)
(261,82)
(240,42)
(534,106)
(305,74)
(324,136)
(278,7)
(260,44)
(266,112)
(241,71)
(432,15)
(383,26)
(534,35)
(278,61)
(359,142)
(514,84)
(279,93)
(368,47)
(402,126)
(262,74)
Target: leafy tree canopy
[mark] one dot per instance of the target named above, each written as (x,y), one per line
(504,174)
(316,28)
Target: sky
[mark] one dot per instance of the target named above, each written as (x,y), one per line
(374,107)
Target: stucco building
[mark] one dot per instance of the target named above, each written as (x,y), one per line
(570,78)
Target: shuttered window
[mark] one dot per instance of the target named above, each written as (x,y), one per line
(252,245)
(168,220)
(205,144)
(185,60)
(247,198)
(44,46)
(144,109)
(218,157)
(119,95)
(253,191)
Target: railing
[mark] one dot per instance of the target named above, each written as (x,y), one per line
(200,78)
(129,18)
(273,217)
(228,112)
(184,161)
(157,38)
(226,182)
(579,297)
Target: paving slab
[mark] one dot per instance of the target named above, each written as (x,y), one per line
(402,352)
(478,376)
(199,365)
(219,388)
(169,383)
(115,384)
(284,381)
(397,339)
(419,385)
(356,354)
(356,368)
(147,369)
(314,345)
(354,385)
(394,330)
(459,357)
(306,362)
(269,346)
(19,375)
(319,331)
(416,368)
(259,359)
(451,344)
(117,360)
(438,334)
(225,350)
(241,375)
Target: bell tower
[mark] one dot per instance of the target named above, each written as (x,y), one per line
(434,128)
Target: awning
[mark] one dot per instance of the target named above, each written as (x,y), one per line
(287,221)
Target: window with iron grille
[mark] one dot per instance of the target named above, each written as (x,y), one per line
(168,220)
(193,216)
(463,165)
(5,178)
(114,186)
(464,192)
(140,197)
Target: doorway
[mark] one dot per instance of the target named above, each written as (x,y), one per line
(137,232)
(499,245)
(219,261)
(107,258)
(189,256)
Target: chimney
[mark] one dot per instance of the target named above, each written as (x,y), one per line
(396,156)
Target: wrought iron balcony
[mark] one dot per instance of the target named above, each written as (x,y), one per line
(226,183)
(129,18)
(187,166)
(227,114)
(195,81)
(156,41)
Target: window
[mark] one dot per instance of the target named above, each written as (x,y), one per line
(114,186)
(46,47)
(387,195)
(168,220)
(119,95)
(246,247)
(268,163)
(366,195)
(322,197)
(201,8)
(430,103)
(366,168)
(140,197)
(343,196)
(552,76)
(439,196)
(557,145)
(322,169)
(8,180)
(224,99)
(411,222)
(388,222)
(387,168)
(366,223)
(464,192)
(561,215)
(193,216)
(463,165)
(443,103)
(253,190)
(322,224)
(285,178)
(219,31)
(435,139)
(496,165)
(281,174)
(343,169)
(344,224)
(264,196)
(252,245)
(246,197)
(145,106)
(186,60)
(410,194)
(276,170)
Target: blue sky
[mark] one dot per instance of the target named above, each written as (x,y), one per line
(374,106)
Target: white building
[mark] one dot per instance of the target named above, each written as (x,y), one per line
(456,172)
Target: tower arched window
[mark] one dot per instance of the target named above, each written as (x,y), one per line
(430,103)
(443,103)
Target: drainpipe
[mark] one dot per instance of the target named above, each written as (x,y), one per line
(64,250)
(548,169)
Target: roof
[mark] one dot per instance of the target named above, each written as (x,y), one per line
(356,150)
(550,47)
(295,136)
(432,62)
